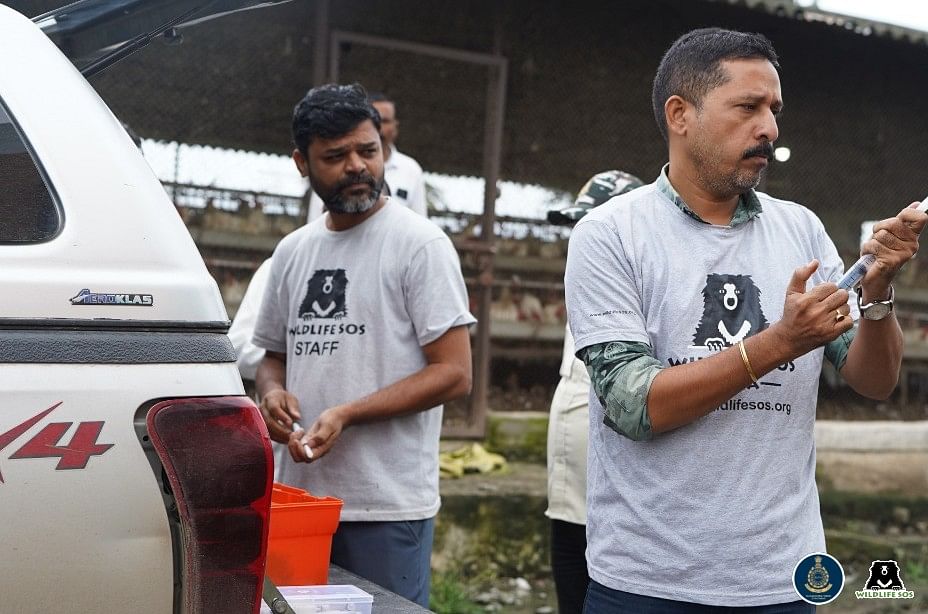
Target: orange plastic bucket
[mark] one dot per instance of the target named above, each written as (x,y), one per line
(300,536)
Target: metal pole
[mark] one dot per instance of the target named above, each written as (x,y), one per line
(497,66)
(334,51)
(492,154)
(320,42)
(435,51)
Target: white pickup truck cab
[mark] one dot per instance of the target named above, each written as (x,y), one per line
(135,475)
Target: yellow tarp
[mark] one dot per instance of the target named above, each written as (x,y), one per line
(472,458)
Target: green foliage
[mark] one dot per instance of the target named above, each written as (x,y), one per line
(449,596)
(916,572)
(507,536)
(525,439)
(838,505)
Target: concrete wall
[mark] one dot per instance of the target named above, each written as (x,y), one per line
(873,456)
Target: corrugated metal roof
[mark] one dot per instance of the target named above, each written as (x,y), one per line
(859,25)
(249,171)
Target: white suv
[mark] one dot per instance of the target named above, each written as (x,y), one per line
(134,473)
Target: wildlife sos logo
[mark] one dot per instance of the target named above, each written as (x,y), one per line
(326,295)
(818,578)
(323,326)
(884,582)
(731,311)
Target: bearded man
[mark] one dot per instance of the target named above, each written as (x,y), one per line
(364,322)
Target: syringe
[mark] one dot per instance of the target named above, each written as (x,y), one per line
(856,273)
(306,449)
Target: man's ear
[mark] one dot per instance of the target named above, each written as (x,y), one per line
(676,116)
(302,164)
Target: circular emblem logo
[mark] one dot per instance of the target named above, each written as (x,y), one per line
(818,578)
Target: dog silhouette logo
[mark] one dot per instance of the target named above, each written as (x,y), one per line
(731,311)
(884,576)
(326,295)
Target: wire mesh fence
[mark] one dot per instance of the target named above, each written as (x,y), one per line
(577,102)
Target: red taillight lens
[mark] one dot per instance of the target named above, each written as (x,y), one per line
(217,457)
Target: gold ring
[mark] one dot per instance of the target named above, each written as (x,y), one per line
(839,316)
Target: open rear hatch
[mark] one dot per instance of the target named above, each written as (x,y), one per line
(95,34)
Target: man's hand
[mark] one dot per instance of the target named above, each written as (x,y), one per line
(446,376)
(811,319)
(321,436)
(894,242)
(279,409)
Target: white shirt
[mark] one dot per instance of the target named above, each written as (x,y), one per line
(243,325)
(405,179)
(568,424)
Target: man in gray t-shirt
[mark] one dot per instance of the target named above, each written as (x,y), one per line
(703,310)
(364,322)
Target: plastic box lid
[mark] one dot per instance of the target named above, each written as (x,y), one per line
(325,598)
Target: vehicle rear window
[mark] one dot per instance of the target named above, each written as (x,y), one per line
(28,211)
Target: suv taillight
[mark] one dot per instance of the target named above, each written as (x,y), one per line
(217,458)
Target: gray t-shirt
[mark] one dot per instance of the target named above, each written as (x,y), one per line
(718,511)
(352,310)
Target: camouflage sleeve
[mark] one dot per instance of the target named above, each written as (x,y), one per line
(836,351)
(621,374)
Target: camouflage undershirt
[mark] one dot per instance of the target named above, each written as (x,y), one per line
(621,372)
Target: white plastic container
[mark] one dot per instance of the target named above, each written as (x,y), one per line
(325,598)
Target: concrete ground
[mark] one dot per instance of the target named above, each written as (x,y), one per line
(518,478)
(875,460)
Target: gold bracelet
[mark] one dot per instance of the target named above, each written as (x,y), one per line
(747,363)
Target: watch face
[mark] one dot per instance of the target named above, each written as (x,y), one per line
(877,311)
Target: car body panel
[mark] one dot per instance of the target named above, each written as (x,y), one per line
(90,523)
(94,539)
(126,222)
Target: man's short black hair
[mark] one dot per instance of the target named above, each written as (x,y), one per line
(693,65)
(331,111)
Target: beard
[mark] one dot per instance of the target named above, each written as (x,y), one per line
(337,201)
(727,182)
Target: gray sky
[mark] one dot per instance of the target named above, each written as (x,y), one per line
(909,13)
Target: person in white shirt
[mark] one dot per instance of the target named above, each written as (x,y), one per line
(402,173)
(243,324)
(568,428)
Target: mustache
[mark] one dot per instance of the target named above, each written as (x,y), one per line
(360,178)
(765,149)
